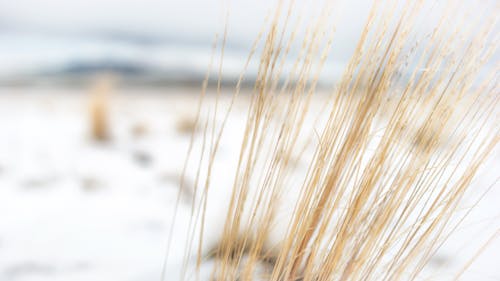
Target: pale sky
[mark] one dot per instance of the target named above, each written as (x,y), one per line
(191,18)
(188,19)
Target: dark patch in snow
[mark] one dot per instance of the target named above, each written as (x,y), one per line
(81,266)
(142,158)
(440,260)
(34,268)
(91,184)
(37,182)
(170,178)
(154,226)
(28,268)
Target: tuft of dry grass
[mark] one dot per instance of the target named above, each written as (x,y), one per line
(186,125)
(389,161)
(139,130)
(99,109)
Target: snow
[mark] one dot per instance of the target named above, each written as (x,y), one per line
(75,209)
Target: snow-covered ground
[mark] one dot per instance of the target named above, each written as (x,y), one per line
(75,209)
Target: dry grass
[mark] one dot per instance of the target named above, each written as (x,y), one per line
(139,130)
(391,161)
(186,125)
(99,109)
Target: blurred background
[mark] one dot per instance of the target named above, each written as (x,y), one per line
(152,42)
(65,42)
(158,43)
(97,102)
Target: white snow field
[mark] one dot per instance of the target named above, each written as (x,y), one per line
(74,209)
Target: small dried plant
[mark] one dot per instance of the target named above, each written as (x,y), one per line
(389,160)
(99,109)
(186,125)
